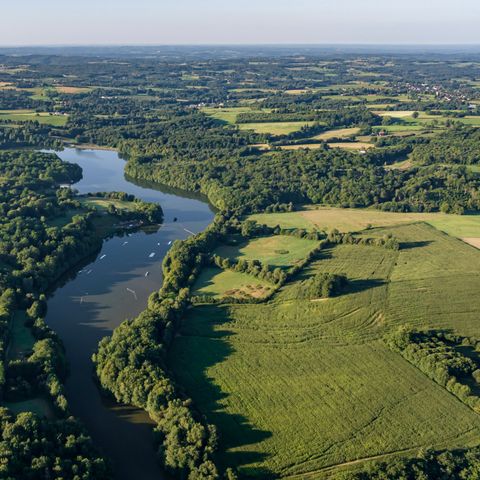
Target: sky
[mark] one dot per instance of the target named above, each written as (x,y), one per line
(161,22)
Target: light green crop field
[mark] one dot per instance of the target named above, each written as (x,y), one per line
(308,387)
(339,133)
(274,128)
(229,114)
(352,220)
(276,251)
(218,283)
(31,116)
(103,203)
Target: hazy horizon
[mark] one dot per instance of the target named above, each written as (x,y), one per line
(261,22)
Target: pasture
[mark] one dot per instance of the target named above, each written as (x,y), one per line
(353,220)
(300,387)
(355,146)
(276,251)
(218,283)
(339,133)
(228,115)
(274,128)
(102,204)
(72,90)
(32,116)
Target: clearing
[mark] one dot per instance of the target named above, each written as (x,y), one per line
(219,283)
(276,251)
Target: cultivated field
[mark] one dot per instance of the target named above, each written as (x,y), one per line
(31,116)
(300,386)
(352,220)
(274,128)
(339,133)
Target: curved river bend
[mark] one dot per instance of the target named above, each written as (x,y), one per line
(100,295)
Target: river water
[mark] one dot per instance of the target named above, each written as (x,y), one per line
(90,302)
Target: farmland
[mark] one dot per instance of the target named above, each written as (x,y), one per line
(352,220)
(274,128)
(320,373)
(31,116)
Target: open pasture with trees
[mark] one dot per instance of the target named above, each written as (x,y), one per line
(277,250)
(319,371)
(217,283)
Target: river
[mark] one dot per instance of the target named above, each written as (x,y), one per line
(102,293)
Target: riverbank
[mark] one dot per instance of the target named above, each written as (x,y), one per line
(94,299)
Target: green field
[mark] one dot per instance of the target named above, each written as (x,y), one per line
(351,220)
(40,406)
(301,386)
(102,204)
(219,283)
(21,338)
(274,128)
(229,114)
(339,133)
(31,116)
(276,251)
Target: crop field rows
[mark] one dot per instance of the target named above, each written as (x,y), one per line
(319,372)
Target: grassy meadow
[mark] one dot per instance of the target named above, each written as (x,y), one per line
(276,251)
(274,128)
(219,283)
(32,116)
(301,387)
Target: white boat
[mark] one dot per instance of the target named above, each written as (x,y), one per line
(102,257)
(151,255)
(147,274)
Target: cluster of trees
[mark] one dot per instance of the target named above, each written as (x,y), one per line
(429,465)
(32,448)
(437,355)
(459,145)
(44,369)
(277,276)
(131,365)
(323,285)
(30,134)
(35,248)
(386,241)
(144,211)
(253,183)
(341,117)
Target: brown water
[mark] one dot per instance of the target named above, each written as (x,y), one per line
(94,300)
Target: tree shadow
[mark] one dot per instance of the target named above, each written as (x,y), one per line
(411,245)
(201,344)
(360,285)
